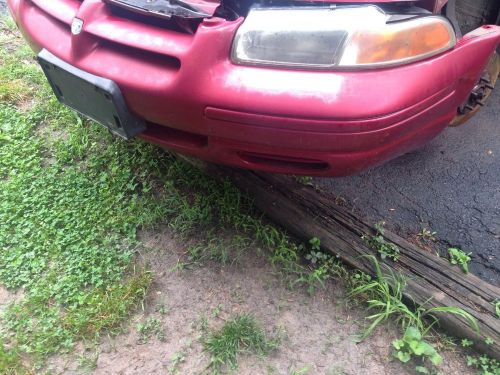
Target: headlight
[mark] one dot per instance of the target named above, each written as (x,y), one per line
(346,37)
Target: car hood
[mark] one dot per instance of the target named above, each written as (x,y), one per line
(431,5)
(207,8)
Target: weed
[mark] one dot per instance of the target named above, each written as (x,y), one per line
(240,334)
(216,248)
(151,327)
(459,257)
(271,370)
(217,310)
(202,323)
(411,345)
(305,180)
(237,296)
(427,234)
(10,362)
(315,243)
(88,362)
(384,295)
(378,243)
(221,205)
(442,341)
(317,257)
(300,371)
(69,210)
(496,303)
(162,309)
(323,267)
(42,330)
(105,310)
(357,278)
(316,277)
(466,343)
(485,364)
(177,359)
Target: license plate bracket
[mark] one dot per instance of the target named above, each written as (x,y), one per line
(97,98)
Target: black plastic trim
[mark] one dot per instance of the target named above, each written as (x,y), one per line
(97,98)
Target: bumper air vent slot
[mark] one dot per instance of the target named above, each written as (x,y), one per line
(283,162)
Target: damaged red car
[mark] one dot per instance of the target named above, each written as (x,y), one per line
(302,87)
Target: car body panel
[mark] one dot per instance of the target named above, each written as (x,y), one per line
(196,101)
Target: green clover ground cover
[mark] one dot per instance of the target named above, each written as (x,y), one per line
(71,200)
(70,203)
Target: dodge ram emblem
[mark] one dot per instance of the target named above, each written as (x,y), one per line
(76,26)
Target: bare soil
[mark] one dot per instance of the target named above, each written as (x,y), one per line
(317,331)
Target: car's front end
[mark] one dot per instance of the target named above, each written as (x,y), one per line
(303,88)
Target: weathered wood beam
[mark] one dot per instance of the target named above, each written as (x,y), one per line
(431,281)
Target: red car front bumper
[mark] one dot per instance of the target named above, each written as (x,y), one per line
(197,102)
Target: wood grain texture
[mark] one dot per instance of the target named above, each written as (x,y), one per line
(307,213)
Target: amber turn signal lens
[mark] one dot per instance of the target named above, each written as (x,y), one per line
(398,44)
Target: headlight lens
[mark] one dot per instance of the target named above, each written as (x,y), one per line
(346,37)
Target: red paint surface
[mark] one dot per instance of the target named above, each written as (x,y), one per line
(294,121)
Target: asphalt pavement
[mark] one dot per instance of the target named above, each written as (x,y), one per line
(451,186)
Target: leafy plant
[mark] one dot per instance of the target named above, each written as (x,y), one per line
(69,212)
(315,243)
(175,361)
(323,265)
(151,327)
(384,295)
(240,334)
(71,201)
(459,257)
(163,309)
(413,345)
(378,243)
(217,310)
(427,234)
(485,364)
(356,279)
(317,257)
(88,361)
(496,303)
(305,180)
(10,362)
(489,341)
(466,343)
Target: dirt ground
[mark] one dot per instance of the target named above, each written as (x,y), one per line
(317,332)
